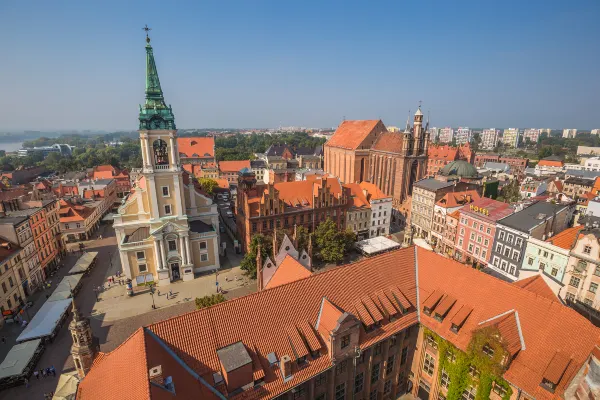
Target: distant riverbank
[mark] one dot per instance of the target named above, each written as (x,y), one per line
(11,146)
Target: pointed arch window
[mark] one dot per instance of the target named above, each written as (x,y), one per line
(160,152)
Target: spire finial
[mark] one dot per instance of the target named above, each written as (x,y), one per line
(420,101)
(145,28)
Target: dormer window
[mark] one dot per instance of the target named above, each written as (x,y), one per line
(549,386)
(488,351)
(345,341)
(301,360)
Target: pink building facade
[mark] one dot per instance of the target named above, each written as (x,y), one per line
(476,230)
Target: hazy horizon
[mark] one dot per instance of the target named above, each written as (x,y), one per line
(80,66)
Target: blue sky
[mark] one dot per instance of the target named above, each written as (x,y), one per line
(80,64)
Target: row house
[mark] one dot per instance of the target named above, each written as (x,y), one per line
(230,170)
(196,150)
(549,258)
(358,213)
(532,188)
(540,220)
(426,193)
(381,209)
(121,177)
(17,230)
(12,292)
(278,156)
(582,276)
(517,164)
(578,188)
(263,208)
(451,202)
(207,170)
(80,218)
(476,230)
(346,333)
(449,233)
(441,155)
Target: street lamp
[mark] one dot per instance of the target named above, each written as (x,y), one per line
(152,294)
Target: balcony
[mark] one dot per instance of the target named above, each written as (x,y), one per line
(162,167)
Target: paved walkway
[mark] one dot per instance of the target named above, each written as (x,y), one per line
(105,324)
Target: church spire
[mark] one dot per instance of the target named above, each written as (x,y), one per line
(154,107)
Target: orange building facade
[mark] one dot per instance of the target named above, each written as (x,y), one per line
(439,156)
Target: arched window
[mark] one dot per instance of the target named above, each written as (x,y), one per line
(160,152)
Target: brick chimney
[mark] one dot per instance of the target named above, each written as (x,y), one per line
(286,366)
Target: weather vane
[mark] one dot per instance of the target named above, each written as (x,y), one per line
(145,28)
(420,103)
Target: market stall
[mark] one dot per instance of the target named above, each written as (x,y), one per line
(85,263)
(20,363)
(47,322)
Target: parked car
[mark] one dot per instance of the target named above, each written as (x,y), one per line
(221,228)
(229,214)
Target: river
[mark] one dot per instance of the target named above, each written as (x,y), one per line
(10,146)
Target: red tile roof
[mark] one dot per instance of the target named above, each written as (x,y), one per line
(567,238)
(374,192)
(358,197)
(493,209)
(546,325)
(456,199)
(351,134)
(390,142)
(196,147)
(536,284)
(288,271)
(233,166)
(550,163)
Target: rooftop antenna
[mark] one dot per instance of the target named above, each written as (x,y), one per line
(145,28)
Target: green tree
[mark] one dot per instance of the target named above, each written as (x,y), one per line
(208,185)
(248,263)
(332,243)
(545,151)
(209,300)
(302,237)
(511,192)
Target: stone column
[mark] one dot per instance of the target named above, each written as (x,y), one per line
(182,251)
(173,154)
(187,250)
(148,151)
(152,196)
(165,251)
(157,254)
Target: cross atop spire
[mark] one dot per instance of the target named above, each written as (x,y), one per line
(147,30)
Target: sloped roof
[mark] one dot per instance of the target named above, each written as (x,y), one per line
(546,325)
(509,326)
(456,199)
(288,271)
(536,284)
(550,163)
(373,192)
(567,238)
(358,197)
(196,147)
(351,134)
(233,166)
(390,142)
(329,315)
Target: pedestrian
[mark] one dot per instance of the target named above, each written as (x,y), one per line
(3,339)
(42,372)
(170,293)
(53,370)
(48,372)
(27,383)
(37,375)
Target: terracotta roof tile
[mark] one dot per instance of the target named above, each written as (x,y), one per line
(310,335)
(509,327)
(567,238)
(288,271)
(550,163)
(557,367)
(372,309)
(359,199)
(456,199)
(545,324)
(390,142)
(536,284)
(351,134)
(233,166)
(196,147)
(363,314)
(373,191)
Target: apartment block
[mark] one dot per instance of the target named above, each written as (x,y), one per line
(511,137)
(489,138)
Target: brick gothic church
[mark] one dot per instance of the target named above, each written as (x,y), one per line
(365,151)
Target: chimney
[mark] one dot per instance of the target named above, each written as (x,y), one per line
(155,375)
(286,366)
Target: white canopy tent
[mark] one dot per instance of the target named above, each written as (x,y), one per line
(376,245)
(84,263)
(46,322)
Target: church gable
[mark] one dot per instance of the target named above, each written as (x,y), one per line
(357,134)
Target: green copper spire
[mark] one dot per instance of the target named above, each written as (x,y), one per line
(154,114)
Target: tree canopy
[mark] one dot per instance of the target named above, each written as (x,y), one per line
(208,184)
(209,300)
(248,263)
(333,243)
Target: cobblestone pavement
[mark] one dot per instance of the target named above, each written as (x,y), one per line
(113,331)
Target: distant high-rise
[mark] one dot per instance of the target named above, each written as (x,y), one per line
(532,134)
(489,138)
(463,135)
(446,135)
(510,137)
(434,133)
(595,132)
(569,133)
